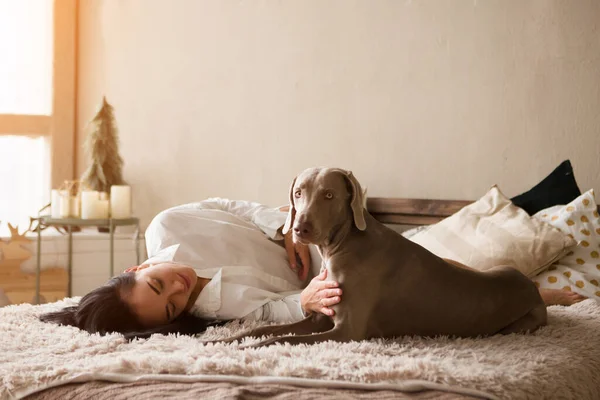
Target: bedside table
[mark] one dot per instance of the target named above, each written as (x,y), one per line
(69,223)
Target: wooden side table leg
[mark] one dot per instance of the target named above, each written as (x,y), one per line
(70,263)
(38,269)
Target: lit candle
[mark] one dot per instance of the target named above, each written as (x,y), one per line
(88,204)
(120,201)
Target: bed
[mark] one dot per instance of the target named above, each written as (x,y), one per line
(561,360)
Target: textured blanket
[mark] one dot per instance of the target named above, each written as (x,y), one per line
(561,360)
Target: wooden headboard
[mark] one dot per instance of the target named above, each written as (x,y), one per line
(412,211)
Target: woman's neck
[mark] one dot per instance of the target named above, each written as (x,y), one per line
(200,284)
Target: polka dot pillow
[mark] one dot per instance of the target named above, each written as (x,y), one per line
(579,270)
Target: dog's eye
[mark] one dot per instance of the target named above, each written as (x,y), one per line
(329,195)
(297,193)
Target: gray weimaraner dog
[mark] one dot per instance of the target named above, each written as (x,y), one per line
(392,286)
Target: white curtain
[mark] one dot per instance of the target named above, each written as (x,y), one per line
(24,179)
(26,51)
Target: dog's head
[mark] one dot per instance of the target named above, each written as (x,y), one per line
(322,200)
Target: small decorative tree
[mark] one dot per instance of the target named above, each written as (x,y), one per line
(102,146)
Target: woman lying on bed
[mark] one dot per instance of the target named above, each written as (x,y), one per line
(216,260)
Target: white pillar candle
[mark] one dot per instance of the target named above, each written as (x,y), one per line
(75,207)
(120,201)
(65,205)
(88,204)
(102,209)
(55,201)
(103,196)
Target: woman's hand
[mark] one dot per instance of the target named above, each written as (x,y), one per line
(303,253)
(320,295)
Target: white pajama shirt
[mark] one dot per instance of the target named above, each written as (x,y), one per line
(236,244)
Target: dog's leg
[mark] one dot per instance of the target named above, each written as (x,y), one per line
(310,324)
(336,334)
(530,322)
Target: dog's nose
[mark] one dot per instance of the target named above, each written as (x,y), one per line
(303,229)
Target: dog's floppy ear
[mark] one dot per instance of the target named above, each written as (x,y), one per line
(358,202)
(291,213)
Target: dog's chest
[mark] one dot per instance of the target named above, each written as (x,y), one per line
(335,271)
(332,272)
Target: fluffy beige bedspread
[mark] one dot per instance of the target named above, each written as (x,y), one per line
(561,360)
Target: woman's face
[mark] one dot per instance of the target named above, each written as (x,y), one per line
(161,292)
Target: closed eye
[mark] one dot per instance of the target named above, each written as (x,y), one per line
(169,311)
(154,288)
(157,286)
(169,307)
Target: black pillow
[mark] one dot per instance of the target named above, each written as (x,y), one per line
(557,188)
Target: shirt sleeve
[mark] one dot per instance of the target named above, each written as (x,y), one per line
(285,310)
(268,219)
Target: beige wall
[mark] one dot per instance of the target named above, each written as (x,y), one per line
(436,99)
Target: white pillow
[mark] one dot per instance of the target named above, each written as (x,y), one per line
(579,270)
(491,232)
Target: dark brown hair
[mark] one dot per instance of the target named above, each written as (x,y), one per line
(103,311)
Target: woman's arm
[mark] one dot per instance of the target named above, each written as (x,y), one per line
(318,296)
(268,219)
(285,310)
(303,253)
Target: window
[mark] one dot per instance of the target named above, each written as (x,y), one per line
(37,103)
(24,178)
(26,50)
